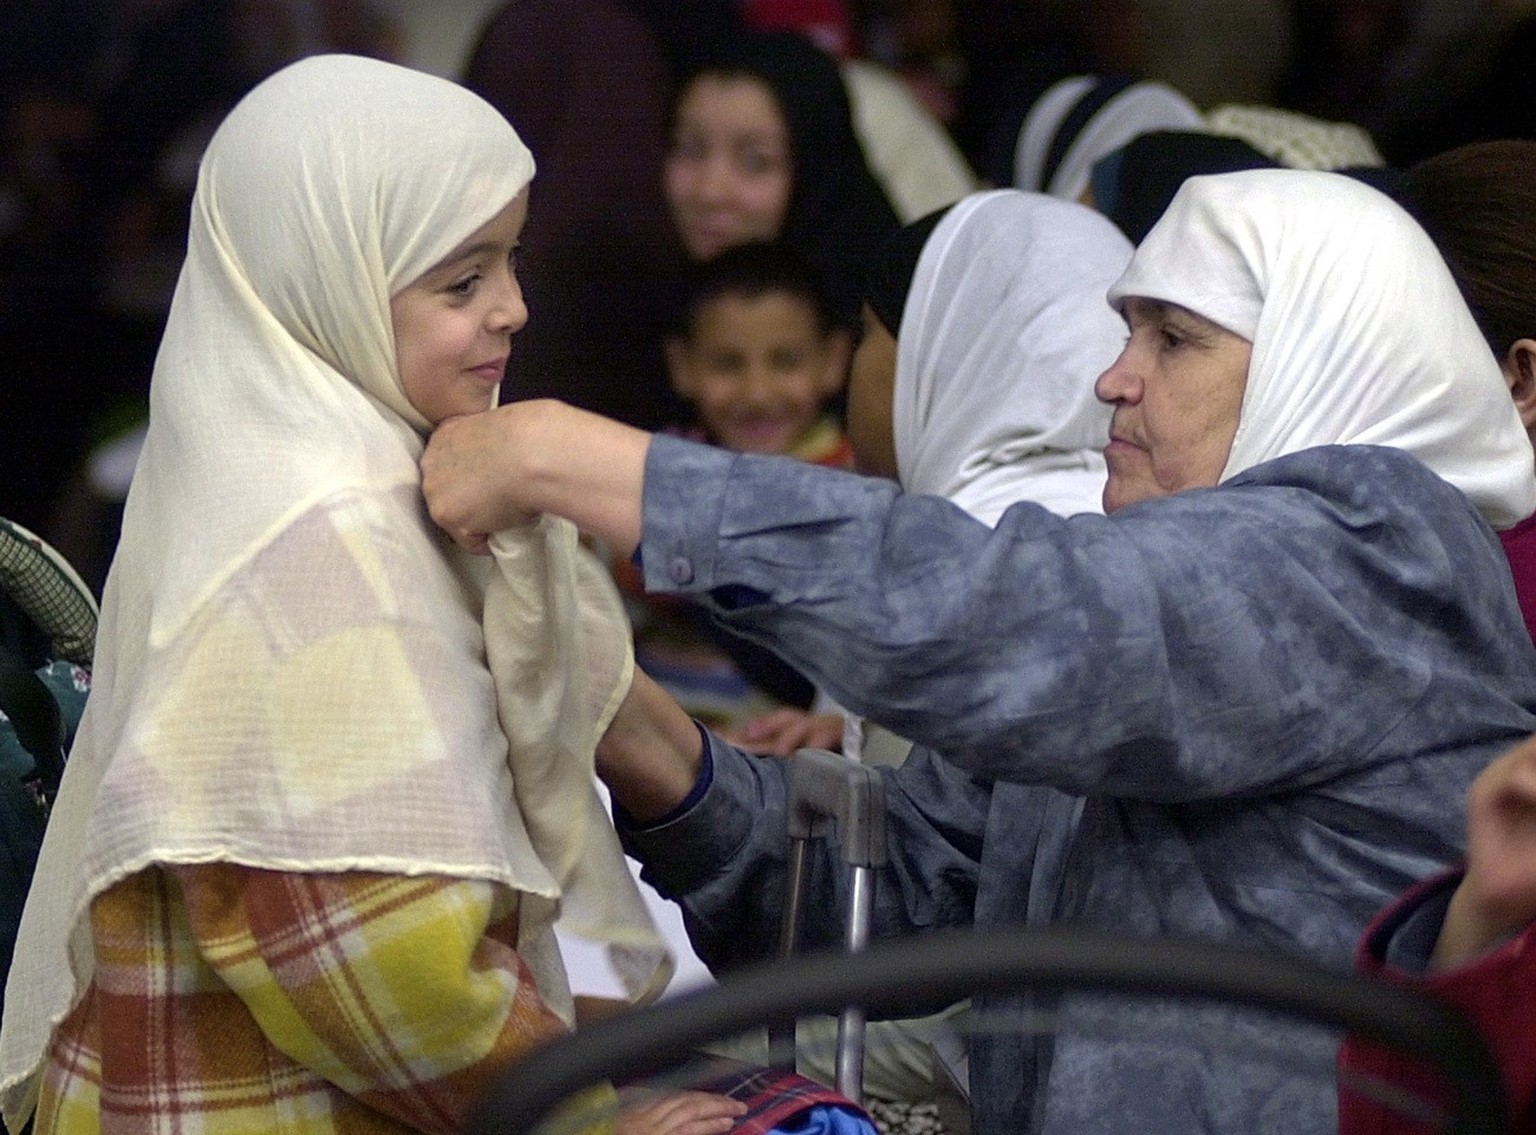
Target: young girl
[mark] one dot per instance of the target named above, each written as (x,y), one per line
(328,799)
(1002,331)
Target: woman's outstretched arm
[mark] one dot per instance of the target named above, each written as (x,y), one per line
(485,472)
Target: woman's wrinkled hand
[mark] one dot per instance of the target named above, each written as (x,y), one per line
(470,480)
(498,469)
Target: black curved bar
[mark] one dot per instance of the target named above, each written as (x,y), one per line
(946,966)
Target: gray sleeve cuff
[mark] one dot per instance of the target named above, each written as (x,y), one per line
(744,797)
(682,502)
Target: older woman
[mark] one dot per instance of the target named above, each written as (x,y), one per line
(1272,669)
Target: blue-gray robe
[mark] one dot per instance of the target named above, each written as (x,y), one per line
(1248,713)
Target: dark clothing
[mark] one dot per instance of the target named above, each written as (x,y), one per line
(588,90)
(1520,549)
(1133,185)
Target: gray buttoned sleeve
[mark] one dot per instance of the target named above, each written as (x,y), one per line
(1262,703)
(1146,654)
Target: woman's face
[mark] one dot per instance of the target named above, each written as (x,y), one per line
(453,327)
(729,170)
(871,395)
(1177,389)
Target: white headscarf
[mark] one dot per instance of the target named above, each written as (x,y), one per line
(292,671)
(1004,332)
(1359,333)
(1051,127)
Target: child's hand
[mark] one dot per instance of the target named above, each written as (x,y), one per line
(681,1113)
(1498,895)
(782,731)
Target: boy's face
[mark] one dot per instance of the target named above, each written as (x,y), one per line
(758,370)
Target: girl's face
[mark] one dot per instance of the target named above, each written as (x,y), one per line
(1177,390)
(729,170)
(871,396)
(454,326)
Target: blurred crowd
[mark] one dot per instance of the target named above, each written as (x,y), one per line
(107,104)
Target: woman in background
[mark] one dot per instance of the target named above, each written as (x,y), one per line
(763,148)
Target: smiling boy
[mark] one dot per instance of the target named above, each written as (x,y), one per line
(757,354)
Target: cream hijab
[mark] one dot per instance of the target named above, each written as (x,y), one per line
(1359,333)
(295,670)
(1004,332)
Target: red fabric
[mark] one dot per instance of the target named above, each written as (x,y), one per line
(775,1097)
(1496,991)
(827,23)
(1520,549)
(839,456)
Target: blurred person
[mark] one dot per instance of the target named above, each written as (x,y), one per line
(1478,203)
(910,151)
(973,380)
(763,148)
(590,88)
(759,358)
(1081,119)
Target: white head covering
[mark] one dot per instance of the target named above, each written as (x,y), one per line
(1004,332)
(1359,333)
(1067,124)
(291,669)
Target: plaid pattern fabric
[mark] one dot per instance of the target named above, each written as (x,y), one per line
(232,999)
(774,1096)
(777,1099)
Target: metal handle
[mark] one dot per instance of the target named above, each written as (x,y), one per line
(827,791)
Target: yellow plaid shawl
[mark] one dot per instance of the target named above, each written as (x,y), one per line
(247,1000)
